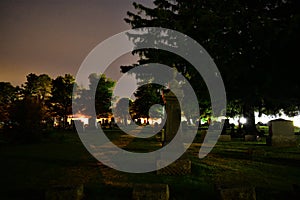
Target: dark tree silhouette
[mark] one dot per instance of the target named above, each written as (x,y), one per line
(7,98)
(27,116)
(146,96)
(38,86)
(61,99)
(103,97)
(31,112)
(123,109)
(253,43)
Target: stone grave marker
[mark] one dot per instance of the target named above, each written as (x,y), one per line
(224,138)
(92,124)
(235,188)
(151,191)
(250,138)
(79,125)
(238,193)
(281,133)
(62,192)
(182,166)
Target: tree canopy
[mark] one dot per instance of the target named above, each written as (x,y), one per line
(7,97)
(253,43)
(61,99)
(146,96)
(103,97)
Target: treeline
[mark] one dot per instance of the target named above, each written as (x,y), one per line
(30,109)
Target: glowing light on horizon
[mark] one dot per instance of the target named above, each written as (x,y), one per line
(266,118)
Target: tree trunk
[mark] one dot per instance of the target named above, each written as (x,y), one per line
(65,118)
(125,120)
(249,126)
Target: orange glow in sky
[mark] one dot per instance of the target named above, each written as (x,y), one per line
(54,36)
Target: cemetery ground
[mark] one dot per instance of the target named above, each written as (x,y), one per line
(27,171)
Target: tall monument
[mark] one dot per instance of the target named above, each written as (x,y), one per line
(172,98)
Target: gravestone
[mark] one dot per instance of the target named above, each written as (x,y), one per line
(79,125)
(235,188)
(62,192)
(224,138)
(250,138)
(151,191)
(181,166)
(92,123)
(238,193)
(281,133)
(173,116)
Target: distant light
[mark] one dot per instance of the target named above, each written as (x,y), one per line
(243,120)
(296,122)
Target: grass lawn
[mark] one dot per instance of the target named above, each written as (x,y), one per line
(26,171)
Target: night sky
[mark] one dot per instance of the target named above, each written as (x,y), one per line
(54,36)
